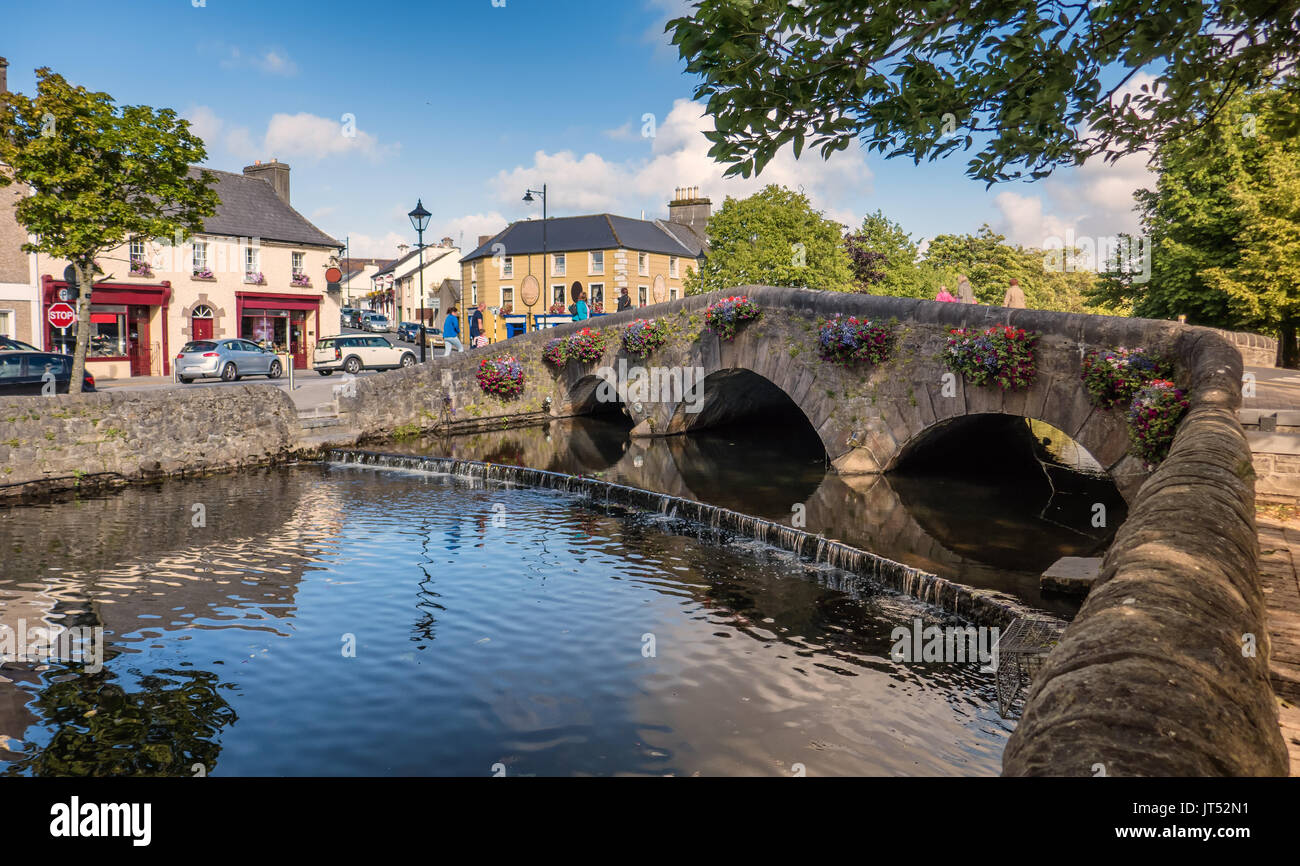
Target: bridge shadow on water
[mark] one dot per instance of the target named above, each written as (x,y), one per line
(986,502)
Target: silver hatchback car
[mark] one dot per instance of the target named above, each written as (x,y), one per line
(228,360)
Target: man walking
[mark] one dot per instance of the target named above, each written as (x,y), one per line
(451,333)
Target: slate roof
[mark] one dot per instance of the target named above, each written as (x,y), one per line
(250,208)
(594,232)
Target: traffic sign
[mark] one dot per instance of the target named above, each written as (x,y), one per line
(61,315)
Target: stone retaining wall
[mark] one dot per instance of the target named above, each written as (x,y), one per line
(1151,678)
(1256,349)
(50,443)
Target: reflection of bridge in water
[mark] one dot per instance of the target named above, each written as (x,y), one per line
(968,530)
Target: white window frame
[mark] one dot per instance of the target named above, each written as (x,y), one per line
(510,290)
(672,266)
(591,293)
(672,293)
(8,323)
(298,263)
(199,256)
(642,295)
(558,295)
(251,261)
(137,251)
(643,264)
(473,294)
(591,263)
(559,265)
(507,267)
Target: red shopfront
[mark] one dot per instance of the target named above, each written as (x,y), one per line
(122,324)
(285,323)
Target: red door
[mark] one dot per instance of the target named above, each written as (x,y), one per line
(298,338)
(137,326)
(201,329)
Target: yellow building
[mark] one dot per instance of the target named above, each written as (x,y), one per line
(598,254)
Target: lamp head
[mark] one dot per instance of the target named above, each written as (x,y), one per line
(419,216)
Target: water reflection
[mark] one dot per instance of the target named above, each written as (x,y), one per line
(996,522)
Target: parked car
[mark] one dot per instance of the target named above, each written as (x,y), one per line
(376,322)
(23,372)
(354,353)
(434,336)
(408,332)
(228,360)
(345,317)
(10,345)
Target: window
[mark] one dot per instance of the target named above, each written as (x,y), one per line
(597,264)
(672,266)
(672,294)
(298,264)
(557,294)
(137,250)
(508,266)
(643,264)
(250,260)
(200,257)
(597,293)
(507,298)
(7,323)
(473,294)
(11,367)
(642,295)
(107,333)
(557,265)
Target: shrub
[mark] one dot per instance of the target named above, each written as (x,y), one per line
(1113,376)
(849,340)
(1001,355)
(644,336)
(1153,419)
(503,376)
(726,316)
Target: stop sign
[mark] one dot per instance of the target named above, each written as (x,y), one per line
(61,315)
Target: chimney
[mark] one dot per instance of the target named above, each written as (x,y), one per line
(482,239)
(4,75)
(275,173)
(689,208)
(447,242)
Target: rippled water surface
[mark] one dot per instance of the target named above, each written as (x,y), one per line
(497,630)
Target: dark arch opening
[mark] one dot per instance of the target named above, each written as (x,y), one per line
(588,397)
(975,482)
(737,395)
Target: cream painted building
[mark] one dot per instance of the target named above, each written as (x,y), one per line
(257,271)
(598,255)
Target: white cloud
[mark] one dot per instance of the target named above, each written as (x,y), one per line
(273,61)
(678,157)
(376,246)
(302,135)
(470,227)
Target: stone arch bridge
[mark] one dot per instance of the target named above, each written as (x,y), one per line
(869,418)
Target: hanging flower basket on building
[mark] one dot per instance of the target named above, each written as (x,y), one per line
(502,376)
(1113,376)
(1001,355)
(300,281)
(643,336)
(1153,419)
(557,309)
(849,340)
(725,317)
(255,279)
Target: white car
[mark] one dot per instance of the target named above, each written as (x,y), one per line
(354,353)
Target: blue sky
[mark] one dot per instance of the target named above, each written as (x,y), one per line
(466,104)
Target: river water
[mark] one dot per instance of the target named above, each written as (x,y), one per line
(340,620)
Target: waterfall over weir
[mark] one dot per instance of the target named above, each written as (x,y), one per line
(984,607)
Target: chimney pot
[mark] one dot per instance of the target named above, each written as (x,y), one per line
(275,173)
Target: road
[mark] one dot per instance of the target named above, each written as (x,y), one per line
(312,392)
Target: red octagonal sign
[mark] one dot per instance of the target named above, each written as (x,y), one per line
(61,315)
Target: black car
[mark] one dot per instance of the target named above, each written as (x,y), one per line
(408,332)
(25,373)
(10,345)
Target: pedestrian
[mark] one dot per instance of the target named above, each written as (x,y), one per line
(1014,297)
(965,293)
(624,301)
(580,310)
(451,333)
(476,326)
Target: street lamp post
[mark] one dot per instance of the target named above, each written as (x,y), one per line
(420,221)
(528,197)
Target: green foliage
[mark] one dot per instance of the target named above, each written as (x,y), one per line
(1224,222)
(99,175)
(1014,80)
(772,238)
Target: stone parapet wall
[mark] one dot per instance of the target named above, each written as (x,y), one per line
(1256,349)
(53,442)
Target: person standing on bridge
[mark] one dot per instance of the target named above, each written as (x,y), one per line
(476,336)
(624,301)
(580,311)
(1014,297)
(965,293)
(451,333)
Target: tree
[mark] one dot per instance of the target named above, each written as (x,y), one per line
(1021,77)
(1222,223)
(773,238)
(99,176)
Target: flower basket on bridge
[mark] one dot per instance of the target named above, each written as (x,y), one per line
(503,376)
(586,346)
(553,352)
(1000,355)
(725,317)
(850,340)
(1153,419)
(1113,376)
(644,336)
